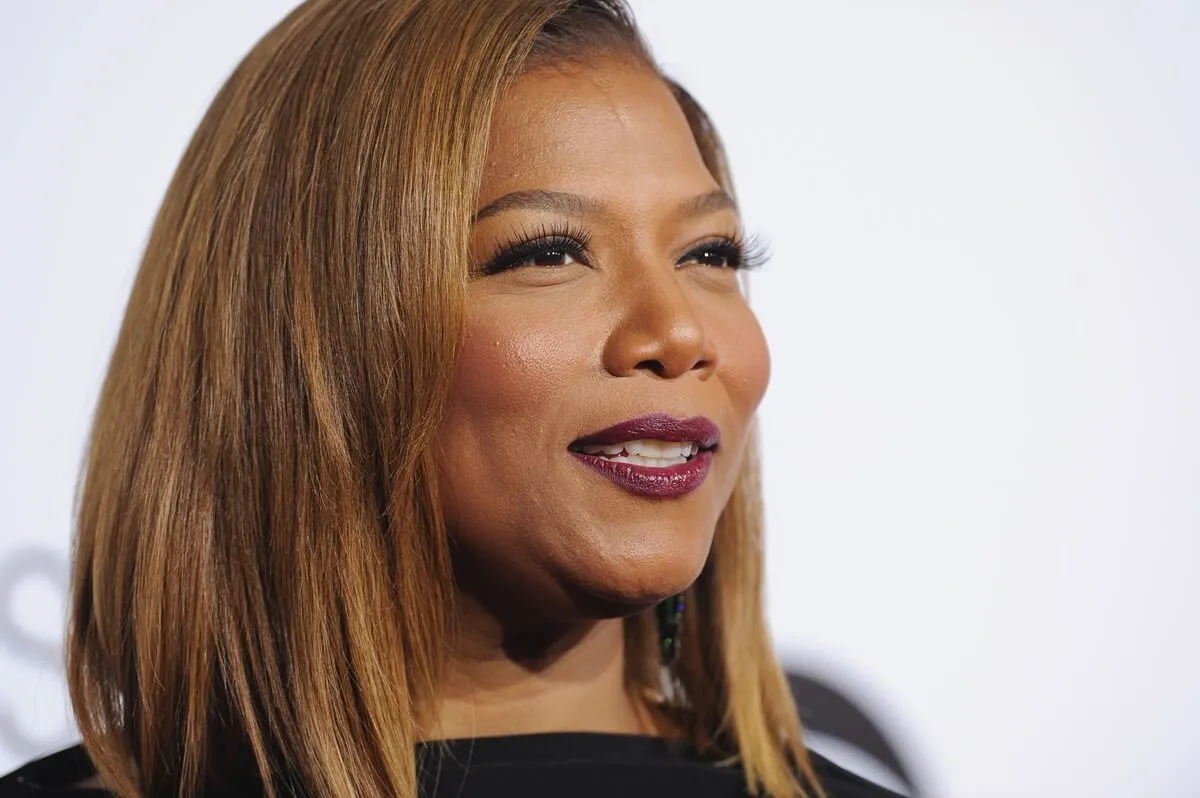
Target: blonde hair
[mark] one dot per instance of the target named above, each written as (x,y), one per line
(261,579)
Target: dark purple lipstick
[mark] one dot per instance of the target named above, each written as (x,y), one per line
(662,480)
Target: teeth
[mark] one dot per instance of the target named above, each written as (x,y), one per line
(650,448)
(649,462)
(651,453)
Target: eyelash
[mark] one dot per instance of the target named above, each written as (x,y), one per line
(567,239)
(740,253)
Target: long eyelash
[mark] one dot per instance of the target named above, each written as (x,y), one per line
(525,245)
(743,253)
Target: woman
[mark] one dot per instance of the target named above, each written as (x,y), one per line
(429,429)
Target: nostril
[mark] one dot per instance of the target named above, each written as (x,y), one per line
(655,366)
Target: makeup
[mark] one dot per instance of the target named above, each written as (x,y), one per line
(656,455)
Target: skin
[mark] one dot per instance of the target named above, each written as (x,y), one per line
(549,554)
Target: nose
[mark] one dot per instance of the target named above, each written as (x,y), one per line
(659,331)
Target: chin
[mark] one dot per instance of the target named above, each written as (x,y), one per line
(632,584)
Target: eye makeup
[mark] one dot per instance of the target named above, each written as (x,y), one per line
(551,246)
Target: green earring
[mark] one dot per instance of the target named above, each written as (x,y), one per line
(670,625)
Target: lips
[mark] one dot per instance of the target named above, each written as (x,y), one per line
(656,482)
(658,426)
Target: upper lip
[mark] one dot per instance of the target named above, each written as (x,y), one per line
(656,426)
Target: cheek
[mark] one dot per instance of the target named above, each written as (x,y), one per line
(746,360)
(504,369)
(745,369)
(507,380)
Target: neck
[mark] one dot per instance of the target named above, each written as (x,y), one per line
(565,678)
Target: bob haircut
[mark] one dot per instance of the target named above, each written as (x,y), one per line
(261,578)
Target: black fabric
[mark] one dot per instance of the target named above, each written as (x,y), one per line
(583,765)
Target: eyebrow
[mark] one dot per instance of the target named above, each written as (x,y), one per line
(577,205)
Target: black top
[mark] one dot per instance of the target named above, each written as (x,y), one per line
(578,764)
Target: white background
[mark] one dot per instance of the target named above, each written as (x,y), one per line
(983,432)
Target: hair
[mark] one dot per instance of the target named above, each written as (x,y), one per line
(261,577)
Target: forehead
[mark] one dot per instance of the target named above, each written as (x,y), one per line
(609,130)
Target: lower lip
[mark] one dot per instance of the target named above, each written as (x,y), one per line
(654,483)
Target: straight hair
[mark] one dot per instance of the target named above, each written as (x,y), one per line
(261,579)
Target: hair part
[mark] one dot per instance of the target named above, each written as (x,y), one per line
(261,580)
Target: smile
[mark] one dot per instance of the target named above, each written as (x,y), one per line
(647,452)
(654,456)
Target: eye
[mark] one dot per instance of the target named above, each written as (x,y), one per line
(547,251)
(549,256)
(726,253)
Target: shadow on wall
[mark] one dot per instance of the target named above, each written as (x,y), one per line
(826,710)
(18,643)
(822,707)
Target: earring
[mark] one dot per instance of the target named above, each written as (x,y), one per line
(670,625)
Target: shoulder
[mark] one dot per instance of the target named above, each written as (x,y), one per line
(841,783)
(67,773)
(63,773)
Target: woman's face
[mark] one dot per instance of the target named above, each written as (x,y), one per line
(620,301)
